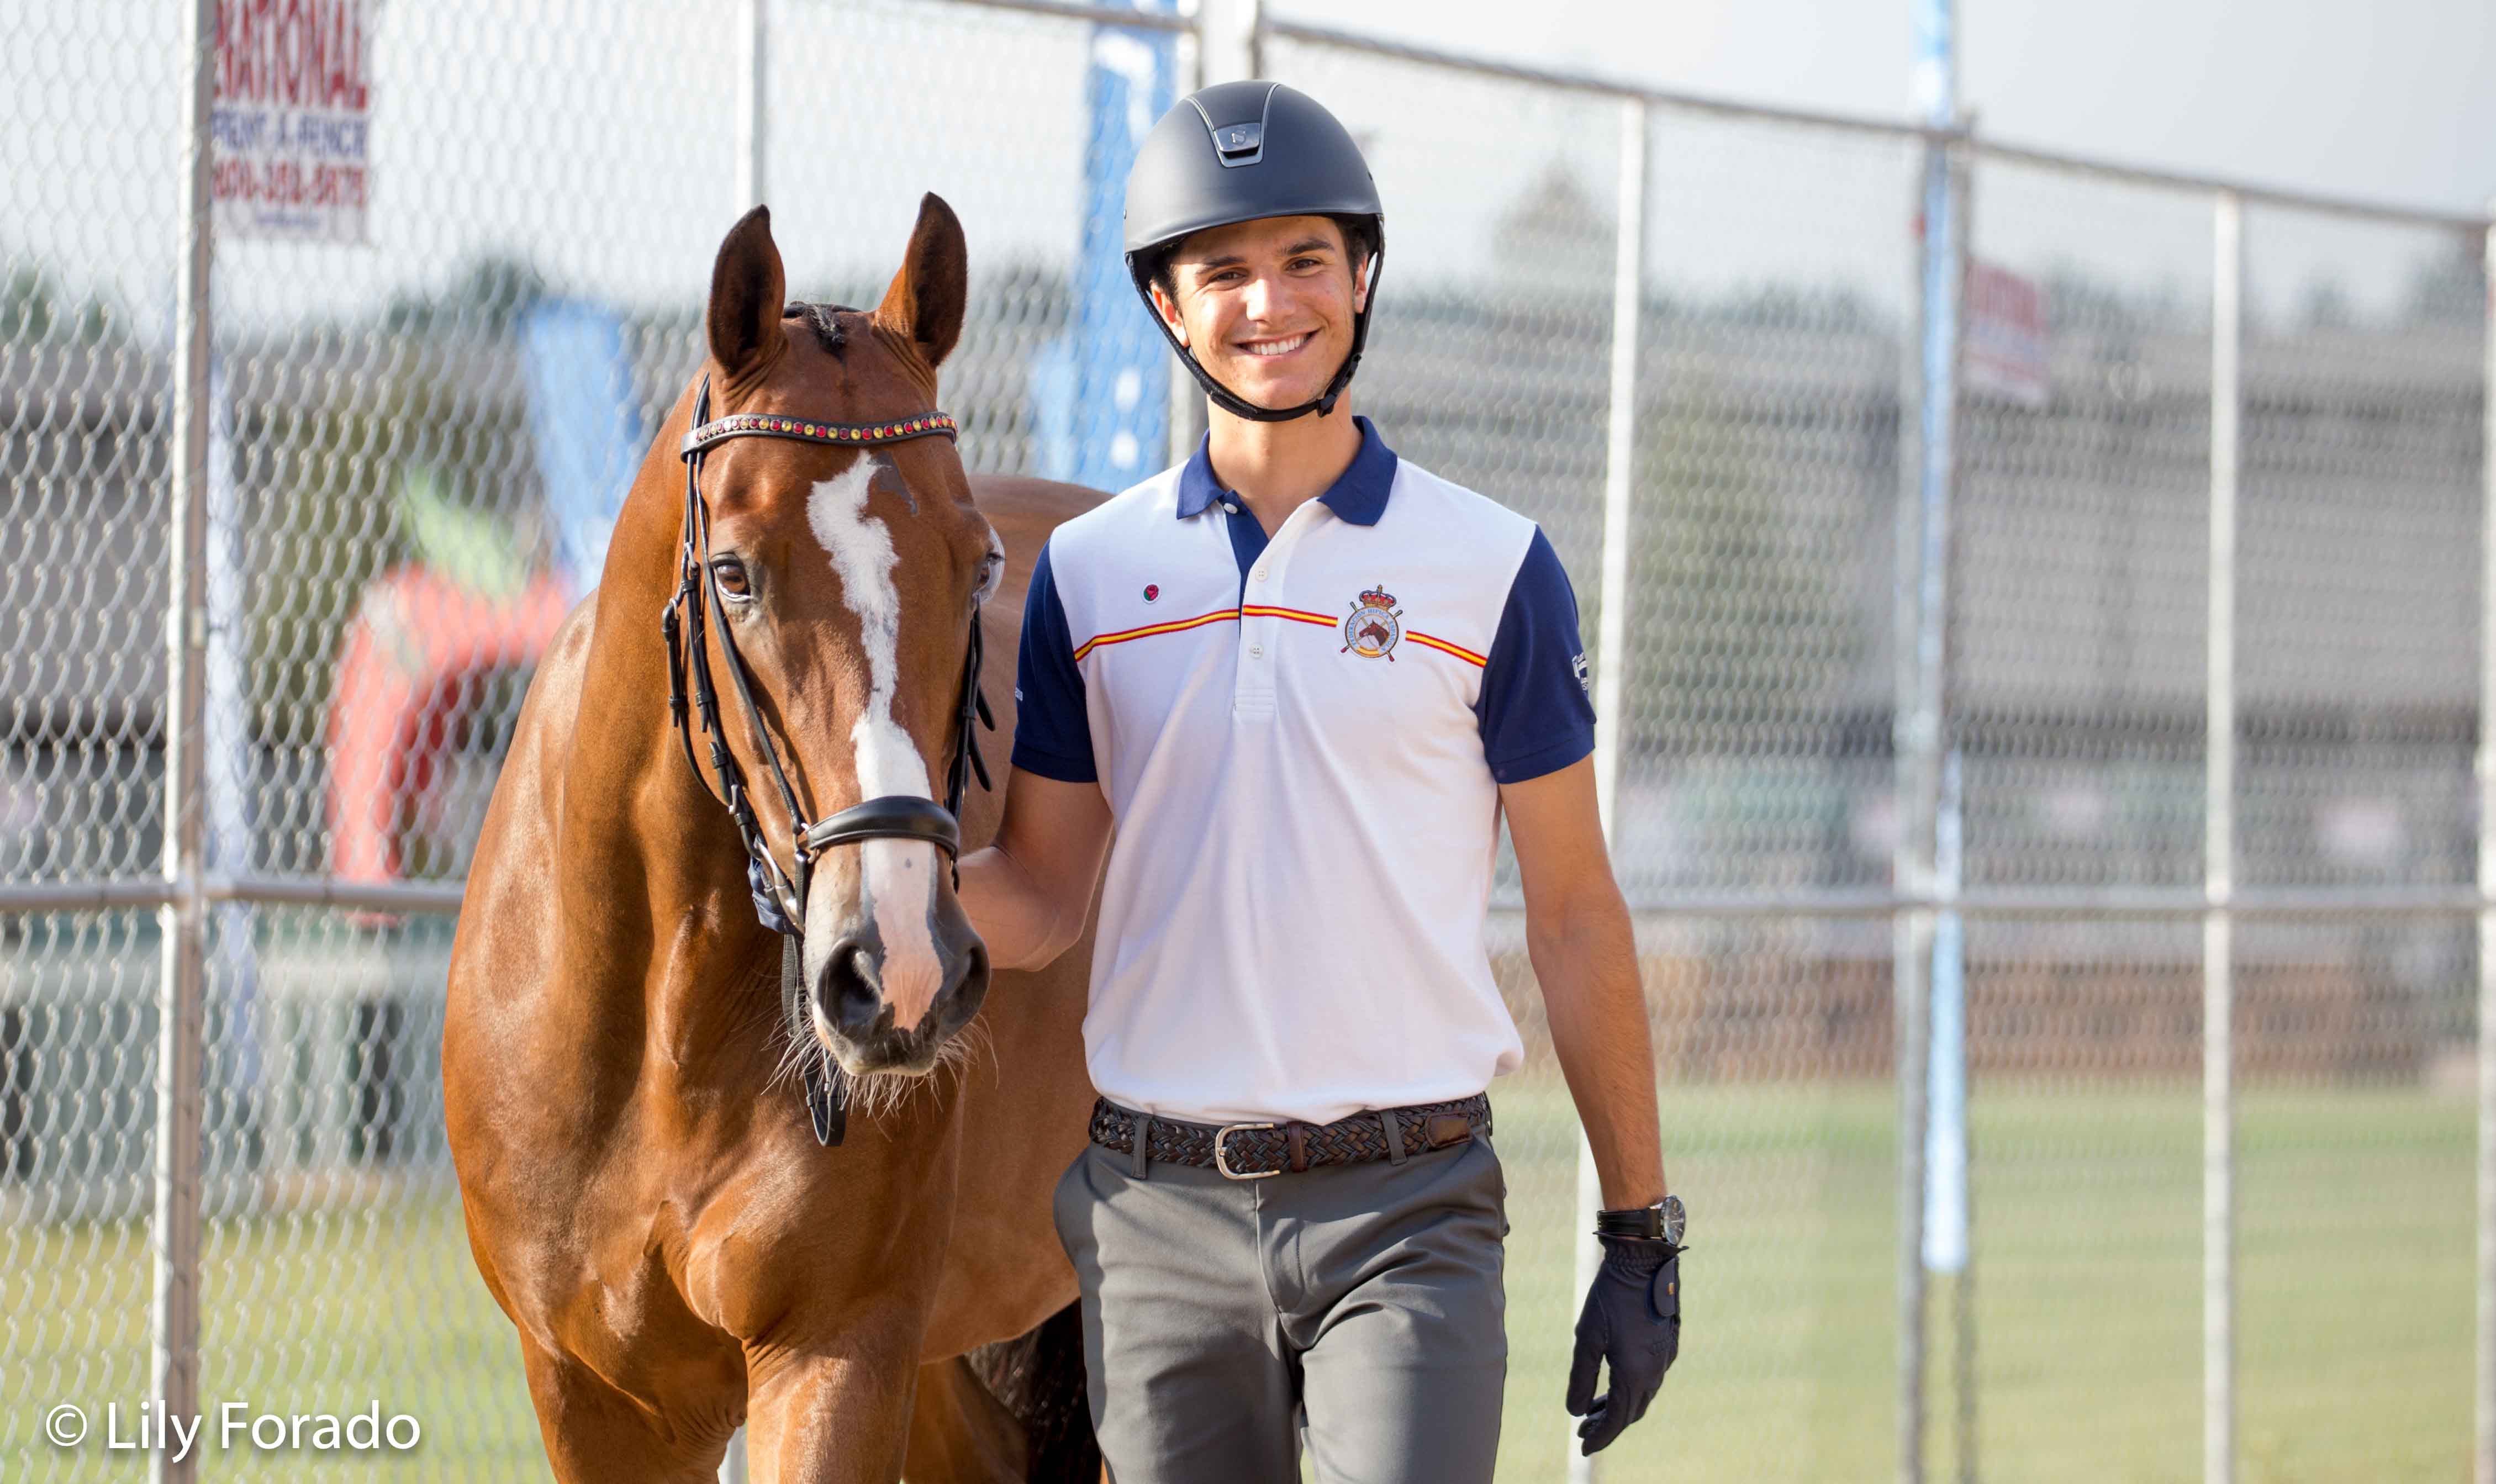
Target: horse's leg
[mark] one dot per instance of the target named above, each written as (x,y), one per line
(1013,1412)
(595,1434)
(960,1432)
(820,1419)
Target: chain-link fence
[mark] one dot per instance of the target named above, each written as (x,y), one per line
(1929,984)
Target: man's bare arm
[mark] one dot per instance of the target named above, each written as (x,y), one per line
(1027,895)
(1577,935)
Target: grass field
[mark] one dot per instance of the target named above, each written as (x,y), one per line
(2353,1330)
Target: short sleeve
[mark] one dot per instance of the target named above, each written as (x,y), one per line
(1537,712)
(1053,730)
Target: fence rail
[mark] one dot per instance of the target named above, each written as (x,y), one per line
(2049,724)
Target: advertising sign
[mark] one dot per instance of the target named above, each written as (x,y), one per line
(2005,336)
(292,128)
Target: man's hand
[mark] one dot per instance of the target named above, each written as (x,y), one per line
(1027,895)
(1633,1321)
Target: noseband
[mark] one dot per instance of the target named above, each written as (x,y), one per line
(684,621)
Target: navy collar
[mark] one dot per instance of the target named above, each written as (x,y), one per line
(1357,495)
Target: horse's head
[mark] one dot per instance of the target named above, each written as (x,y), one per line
(849,579)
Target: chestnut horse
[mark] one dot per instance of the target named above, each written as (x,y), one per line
(644,1190)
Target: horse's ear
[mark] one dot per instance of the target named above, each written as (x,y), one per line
(926,299)
(746,287)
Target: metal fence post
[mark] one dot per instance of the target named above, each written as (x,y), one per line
(1910,929)
(173,1246)
(1922,671)
(2219,854)
(1949,854)
(1611,633)
(753,103)
(2483,1442)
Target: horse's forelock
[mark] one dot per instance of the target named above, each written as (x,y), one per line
(823,319)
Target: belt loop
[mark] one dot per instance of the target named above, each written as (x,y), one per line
(1394,1136)
(1141,1157)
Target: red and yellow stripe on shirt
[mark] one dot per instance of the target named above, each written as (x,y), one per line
(1264,610)
(1222,615)
(1296,615)
(1477,662)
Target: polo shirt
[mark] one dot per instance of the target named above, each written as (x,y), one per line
(1302,741)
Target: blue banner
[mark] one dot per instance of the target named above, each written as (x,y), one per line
(587,425)
(1102,392)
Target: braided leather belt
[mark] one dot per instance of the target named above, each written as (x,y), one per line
(1258,1151)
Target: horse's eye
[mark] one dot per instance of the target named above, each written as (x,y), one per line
(730,573)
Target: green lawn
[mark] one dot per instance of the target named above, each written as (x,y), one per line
(2353,1329)
(2354,1326)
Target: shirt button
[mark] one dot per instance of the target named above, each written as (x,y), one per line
(1256,651)
(1230,508)
(1261,575)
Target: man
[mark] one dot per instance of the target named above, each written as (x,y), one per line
(1306,679)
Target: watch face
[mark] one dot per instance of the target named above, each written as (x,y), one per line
(1674,1218)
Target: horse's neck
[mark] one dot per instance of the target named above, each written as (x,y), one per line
(650,874)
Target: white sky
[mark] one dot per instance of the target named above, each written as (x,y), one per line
(2388,100)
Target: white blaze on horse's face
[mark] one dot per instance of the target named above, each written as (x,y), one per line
(897,879)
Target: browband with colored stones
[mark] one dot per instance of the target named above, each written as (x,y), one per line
(805,430)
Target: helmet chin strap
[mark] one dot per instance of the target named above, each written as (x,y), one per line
(1240,406)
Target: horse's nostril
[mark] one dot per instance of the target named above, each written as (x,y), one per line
(850,995)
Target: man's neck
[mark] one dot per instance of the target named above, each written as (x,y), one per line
(1278,467)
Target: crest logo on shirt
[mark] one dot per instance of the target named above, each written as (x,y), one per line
(1152,592)
(1372,630)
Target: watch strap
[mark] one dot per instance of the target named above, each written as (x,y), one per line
(1645,1223)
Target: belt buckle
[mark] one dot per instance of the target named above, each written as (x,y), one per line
(1222,1160)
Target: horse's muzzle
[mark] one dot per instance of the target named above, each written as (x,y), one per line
(854,1019)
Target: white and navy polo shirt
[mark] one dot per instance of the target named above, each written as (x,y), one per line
(1302,741)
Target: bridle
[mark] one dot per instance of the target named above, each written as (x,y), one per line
(684,621)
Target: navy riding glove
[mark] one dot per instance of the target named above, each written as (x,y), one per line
(1632,1320)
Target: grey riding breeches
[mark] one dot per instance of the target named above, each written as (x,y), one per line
(1361,1303)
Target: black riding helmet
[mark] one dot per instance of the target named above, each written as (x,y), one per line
(1236,152)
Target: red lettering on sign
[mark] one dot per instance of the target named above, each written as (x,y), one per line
(300,53)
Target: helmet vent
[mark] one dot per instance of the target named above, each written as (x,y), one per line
(1240,144)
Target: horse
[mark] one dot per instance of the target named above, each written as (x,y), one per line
(635,1118)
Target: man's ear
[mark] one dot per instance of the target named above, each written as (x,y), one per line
(1360,285)
(1168,308)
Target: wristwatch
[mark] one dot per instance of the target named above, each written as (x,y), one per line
(1662,1222)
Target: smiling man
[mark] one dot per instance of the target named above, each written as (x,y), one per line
(1305,679)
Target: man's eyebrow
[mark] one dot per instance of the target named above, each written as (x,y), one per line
(1234,260)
